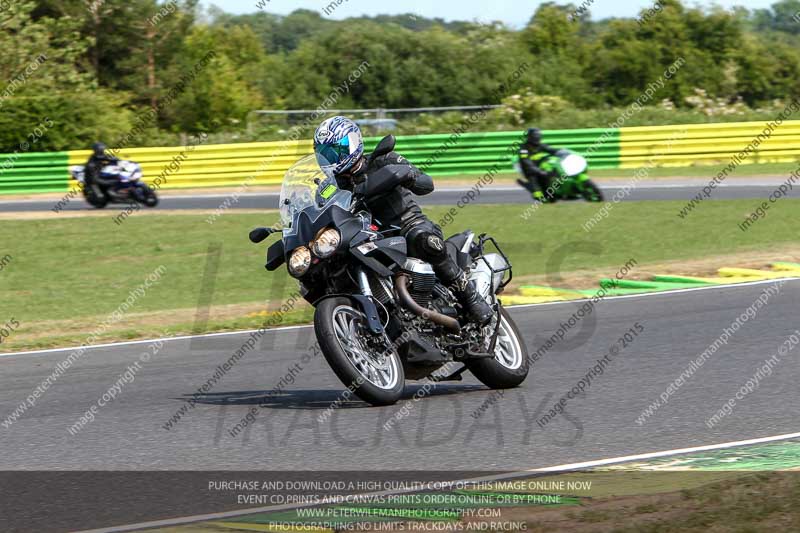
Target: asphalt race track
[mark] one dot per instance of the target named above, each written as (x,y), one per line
(442,431)
(447,195)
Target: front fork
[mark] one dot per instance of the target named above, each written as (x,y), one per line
(367,303)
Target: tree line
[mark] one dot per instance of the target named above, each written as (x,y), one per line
(94,67)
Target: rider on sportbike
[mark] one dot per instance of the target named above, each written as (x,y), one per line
(393,182)
(99,159)
(531,156)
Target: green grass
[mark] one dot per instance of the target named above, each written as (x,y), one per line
(82,269)
(775,170)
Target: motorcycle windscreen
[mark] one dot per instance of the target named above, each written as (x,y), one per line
(574,164)
(307,190)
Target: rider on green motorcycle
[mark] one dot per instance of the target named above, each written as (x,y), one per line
(531,156)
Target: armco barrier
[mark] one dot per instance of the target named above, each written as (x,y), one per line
(477,153)
(213,165)
(707,144)
(444,154)
(33,172)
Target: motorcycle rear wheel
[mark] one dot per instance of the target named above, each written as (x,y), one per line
(376,378)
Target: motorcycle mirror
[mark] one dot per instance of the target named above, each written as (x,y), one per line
(259,234)
(384,147)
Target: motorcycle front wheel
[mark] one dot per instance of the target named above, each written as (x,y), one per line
(374,375)
(95,200)
(510,364)
(591,192)
(146,195)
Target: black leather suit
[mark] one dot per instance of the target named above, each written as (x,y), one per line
(95,165)
(389,194)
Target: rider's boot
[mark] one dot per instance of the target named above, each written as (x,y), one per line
(527,185)
(477,308)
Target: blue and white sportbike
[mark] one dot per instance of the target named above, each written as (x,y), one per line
(127,185)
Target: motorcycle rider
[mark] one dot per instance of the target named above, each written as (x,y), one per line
(97,161)
(389,182)
(531,156)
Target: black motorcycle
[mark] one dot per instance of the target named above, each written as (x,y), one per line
(382,317)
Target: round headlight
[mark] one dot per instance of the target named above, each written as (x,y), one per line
(299,262)
(326,243)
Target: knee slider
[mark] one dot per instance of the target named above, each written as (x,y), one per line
(432,244)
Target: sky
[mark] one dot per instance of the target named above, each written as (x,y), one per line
(515,13)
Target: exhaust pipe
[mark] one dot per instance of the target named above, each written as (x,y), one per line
(401,286)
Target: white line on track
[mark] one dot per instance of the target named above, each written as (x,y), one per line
(288,328)
(445,485)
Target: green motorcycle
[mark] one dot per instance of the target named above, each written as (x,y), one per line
(571,180)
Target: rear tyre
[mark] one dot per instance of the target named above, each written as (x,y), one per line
(510,364)
(591,192)
(150,198)
(375,375)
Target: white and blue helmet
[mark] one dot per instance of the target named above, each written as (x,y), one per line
(338,145)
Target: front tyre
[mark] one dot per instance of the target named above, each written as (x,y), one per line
(94,197)
(510,364)
(371,368)
(591,192)
(146,195)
